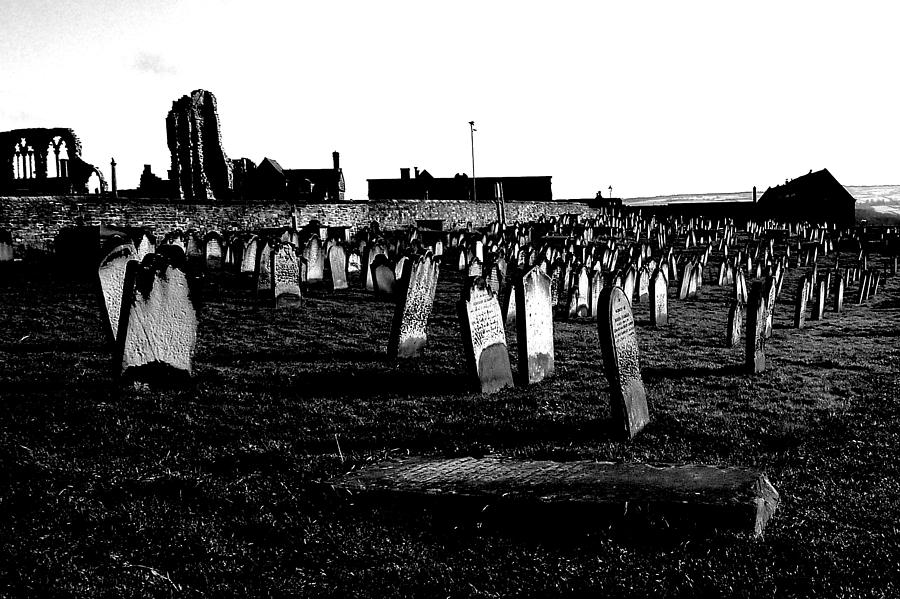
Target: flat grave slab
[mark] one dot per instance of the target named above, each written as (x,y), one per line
(726,497)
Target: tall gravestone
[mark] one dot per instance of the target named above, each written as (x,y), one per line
(818,310)
(659,300)
(534,326)
(484,338)
(285,275)
(337,265)
(417,287)
(839,294)
(248,260)
(618,344)
(264,271)
(112,283)
(315,259)
(158,326)
(800,305)
(770,290)
(735,323)
(755,359)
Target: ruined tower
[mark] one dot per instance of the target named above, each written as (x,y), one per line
(200,168)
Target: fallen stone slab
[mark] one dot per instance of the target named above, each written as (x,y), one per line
(723,497)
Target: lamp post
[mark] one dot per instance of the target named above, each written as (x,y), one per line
(472,137)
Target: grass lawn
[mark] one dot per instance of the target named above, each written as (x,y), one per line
(112,490)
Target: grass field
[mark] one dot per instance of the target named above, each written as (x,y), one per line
(111,490)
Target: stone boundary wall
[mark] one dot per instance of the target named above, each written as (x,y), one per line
(35,221)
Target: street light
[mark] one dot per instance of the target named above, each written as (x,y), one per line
(472,130)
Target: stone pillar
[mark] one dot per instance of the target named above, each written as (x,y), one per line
(112,165)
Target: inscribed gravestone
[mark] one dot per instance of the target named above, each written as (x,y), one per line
(618,344)
(158,327)
(285,275)
(337,263)
(315,259)
(417,288)
(534,326)
(484,338)
(112,283)
(659,300)
(755,358)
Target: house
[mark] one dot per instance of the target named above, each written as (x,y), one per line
(424,186)
(814,197)
(269,181)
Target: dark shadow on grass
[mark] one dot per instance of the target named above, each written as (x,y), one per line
(371,381)
(668,372)
(261,356)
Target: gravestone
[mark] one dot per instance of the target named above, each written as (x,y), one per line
(371,253)
(735,323)
(248,260)
(618,344)
(659,300)
(112,283)
(315,259)
(800,305)
(158,326)
(6,248)
(285,275)
(685,288)
(770,290)
(484,338)
(212,251)
(578,304)
(146,245)
(264,271)
(399,268)
(597,284)
(384,278)
(337,264)
(416,289)
(353,261)
(819,306)
(755,359)
(534,327)
(644,285)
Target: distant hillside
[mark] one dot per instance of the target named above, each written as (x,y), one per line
(875,203)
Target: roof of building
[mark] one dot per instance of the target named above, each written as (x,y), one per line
(819,184)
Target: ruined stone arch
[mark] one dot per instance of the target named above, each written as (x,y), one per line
(24,160)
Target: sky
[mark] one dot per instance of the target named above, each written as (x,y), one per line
(651,98)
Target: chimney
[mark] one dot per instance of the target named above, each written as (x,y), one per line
(754,194)
(404,174)
(417,172)
(337,160)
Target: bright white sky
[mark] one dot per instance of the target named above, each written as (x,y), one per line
(649,97)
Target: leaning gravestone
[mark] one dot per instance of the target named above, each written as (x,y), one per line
(618,344)
(417,286)
(337,262)
(800,306)
(112,283)
(534,326)
(484,338)
(158,327)
(735,323)
(315,259)
(264,271)
(285,275)
(755,358)
(659,300)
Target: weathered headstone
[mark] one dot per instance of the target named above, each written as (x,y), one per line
(484,338)
(212,251)
(315,259)
(618,344)
(158,326)
(839,294)
(337,263)
(534,326)
(735,323)
(112,283)
(417,287)
(756,328)
(285,275)
(248,260)
(659,300)
(800,305)
(264,271)
(819,306)
(384,278)
(644,285)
